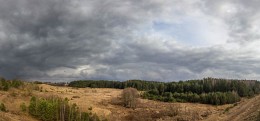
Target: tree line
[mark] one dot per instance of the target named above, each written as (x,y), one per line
(207,90)
(138,84)
(215,98)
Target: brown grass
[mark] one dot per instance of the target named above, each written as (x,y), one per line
(107,104)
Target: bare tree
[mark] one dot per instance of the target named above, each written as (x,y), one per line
(130,97)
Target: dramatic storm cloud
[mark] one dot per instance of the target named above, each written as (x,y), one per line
(63,40)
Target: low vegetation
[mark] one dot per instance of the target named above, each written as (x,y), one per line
(2,107)
(130,97)
(5,85)
(23,107)
(58,109)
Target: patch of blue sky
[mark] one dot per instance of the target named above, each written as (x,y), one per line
(187,31)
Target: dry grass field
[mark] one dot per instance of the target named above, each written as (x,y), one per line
(106,104)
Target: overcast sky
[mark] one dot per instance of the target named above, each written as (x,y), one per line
(163,40)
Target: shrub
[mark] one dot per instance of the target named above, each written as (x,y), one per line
(75,97)
(23,107)
(13,94)
(130,96)
(2,107)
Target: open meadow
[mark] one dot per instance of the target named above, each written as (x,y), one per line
(106,103)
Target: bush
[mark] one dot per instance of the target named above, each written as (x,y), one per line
(13,94)
(129,97)
(23,107)
(75,96)
(2,107)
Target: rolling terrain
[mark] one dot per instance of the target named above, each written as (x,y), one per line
(106,104)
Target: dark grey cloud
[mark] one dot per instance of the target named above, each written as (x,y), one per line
(154,63)
(38,36)
(42,35)
(66,40)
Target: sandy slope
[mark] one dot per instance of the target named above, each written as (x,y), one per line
(245,109)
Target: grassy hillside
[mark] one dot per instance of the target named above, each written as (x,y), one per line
(107,104)
(24,101)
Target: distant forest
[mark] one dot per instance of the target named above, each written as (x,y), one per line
(208,90)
